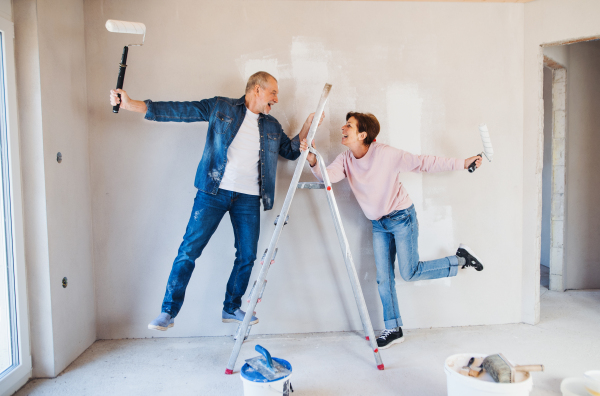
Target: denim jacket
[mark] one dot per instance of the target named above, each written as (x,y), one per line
(225,116)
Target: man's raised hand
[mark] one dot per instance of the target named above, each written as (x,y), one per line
(126,102)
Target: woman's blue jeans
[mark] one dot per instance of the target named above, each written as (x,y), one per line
(208,210)
(398,234)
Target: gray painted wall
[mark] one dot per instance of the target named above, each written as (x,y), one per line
(50,58)
(547,172)
(429,71)
(582,250)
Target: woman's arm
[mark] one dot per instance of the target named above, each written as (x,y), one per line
(407,162)
(335,170)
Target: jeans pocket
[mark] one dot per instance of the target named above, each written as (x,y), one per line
(400,215)
(222,123)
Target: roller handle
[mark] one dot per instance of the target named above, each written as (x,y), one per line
(121,77)
(266,354)
(530,367)
(472,167)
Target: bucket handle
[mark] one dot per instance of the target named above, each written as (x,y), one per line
(266,354)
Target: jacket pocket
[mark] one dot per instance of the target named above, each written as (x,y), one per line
(273,142)
(222,123)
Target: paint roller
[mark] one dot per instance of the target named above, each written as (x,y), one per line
(502,370)
(115,26)
(488,150)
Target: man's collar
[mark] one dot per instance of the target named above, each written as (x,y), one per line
(242,101)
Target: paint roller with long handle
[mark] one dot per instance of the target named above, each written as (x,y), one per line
(115,26)
(488,150)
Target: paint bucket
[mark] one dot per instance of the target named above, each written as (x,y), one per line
(573,387)
(255,384)
(484,385)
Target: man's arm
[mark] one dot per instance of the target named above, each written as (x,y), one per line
(126,102)
(306,127)
(290,149)
(165,111)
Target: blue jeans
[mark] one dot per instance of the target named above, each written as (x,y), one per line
(398,233)
(208,210)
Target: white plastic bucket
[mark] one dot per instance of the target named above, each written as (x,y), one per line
(573,387)
(484,385)
(279,387)
(255,384)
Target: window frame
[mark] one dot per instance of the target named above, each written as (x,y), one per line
(18,374)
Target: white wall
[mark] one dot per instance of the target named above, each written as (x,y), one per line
(546,22)
(50,57)
(429,71)
(6,9)
(582,250)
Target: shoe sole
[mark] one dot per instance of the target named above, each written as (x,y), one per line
(238,321)
(161,328)
(396,341)
(468,249)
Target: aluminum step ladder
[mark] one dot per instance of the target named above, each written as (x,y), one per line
(268,258)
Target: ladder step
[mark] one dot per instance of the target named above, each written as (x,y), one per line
(312,186)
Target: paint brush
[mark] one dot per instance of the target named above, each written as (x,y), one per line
(501,370)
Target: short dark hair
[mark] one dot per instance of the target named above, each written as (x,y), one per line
(366,122)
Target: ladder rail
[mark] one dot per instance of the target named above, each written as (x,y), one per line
(348,261)
(278,228)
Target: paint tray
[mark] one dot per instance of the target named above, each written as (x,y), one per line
(266,366)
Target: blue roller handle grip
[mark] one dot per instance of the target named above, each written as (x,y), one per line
(266,354)
(472,167)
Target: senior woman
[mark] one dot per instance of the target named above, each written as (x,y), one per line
(372,170)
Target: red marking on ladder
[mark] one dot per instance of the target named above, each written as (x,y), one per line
(228,371)
(380,367)
(259,300)
(261,263)
(328,188)
(272,262)
(376,350)
(367,337)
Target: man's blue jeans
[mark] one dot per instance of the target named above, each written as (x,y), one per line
(208,210)
(398,233)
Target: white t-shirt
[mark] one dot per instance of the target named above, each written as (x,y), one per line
(243,157)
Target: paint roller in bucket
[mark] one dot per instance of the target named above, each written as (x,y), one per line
(115,26)
(488,150)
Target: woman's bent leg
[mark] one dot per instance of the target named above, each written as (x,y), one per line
(405,227)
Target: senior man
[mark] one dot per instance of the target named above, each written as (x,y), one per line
(236,171)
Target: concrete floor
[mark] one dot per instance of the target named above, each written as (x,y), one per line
(566,341)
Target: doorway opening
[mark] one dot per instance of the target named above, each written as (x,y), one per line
(570,175)
(553,175)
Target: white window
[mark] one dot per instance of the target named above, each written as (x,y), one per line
(15,359)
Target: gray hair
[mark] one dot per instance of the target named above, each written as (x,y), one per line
(260,78)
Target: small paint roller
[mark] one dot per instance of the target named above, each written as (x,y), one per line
(115,26)
(503,371)
(488,150)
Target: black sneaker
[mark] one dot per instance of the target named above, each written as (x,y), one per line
(389,337)
(472,261)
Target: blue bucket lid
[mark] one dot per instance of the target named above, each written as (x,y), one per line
(252,375)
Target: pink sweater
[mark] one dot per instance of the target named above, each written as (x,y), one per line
(374,177)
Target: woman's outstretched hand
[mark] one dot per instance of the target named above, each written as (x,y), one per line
(311,158)
(478,161)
